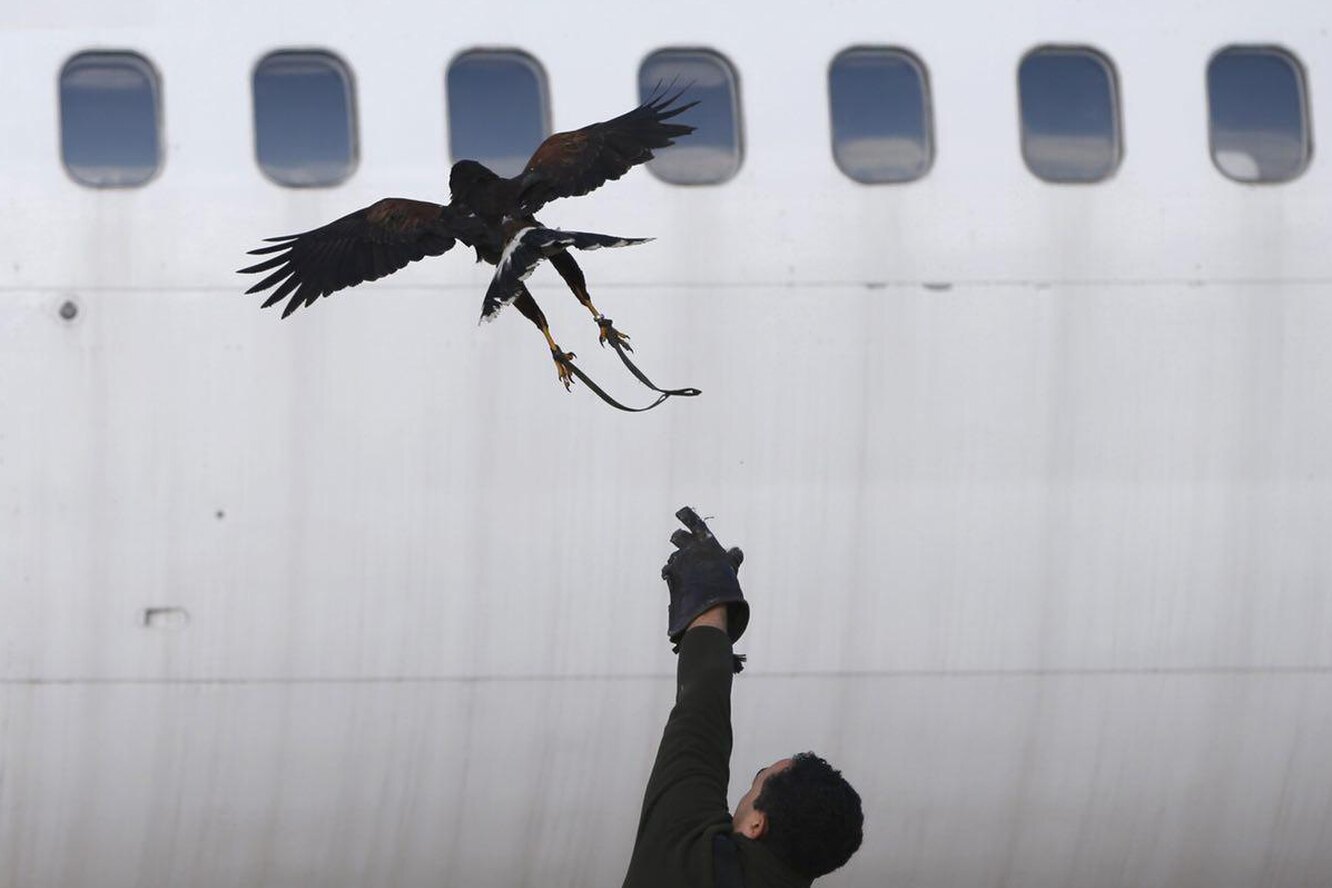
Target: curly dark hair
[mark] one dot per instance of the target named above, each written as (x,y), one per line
(815,822)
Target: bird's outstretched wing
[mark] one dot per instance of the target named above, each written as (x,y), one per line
(525,251)
(576,162)
(361,246)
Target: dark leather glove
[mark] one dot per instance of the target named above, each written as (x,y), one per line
(700,575)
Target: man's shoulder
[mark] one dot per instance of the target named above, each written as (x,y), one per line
(761,867)
(669,861)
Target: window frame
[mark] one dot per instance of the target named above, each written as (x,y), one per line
(155,86)
(1306,111)
(737,114)
(543,91)
(927,106)
(353,115)
(1116,109)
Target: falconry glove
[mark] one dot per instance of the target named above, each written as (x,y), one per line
(700,574)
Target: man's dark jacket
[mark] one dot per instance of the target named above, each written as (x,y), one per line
(685,804)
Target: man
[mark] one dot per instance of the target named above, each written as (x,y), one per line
(800,818)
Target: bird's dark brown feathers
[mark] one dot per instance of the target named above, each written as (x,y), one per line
(574,163)
(484,213)
(361,246)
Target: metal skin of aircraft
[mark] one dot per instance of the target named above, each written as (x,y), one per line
(1034,481)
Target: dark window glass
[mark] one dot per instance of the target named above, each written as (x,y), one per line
(880,115)
(1070,115)
(304,119)
(110,119)
(1257,110)
(498,108)
(712,153)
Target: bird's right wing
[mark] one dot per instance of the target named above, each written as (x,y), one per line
(576,162)
(525,251)
(361,246)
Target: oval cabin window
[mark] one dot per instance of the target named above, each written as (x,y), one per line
(480,81)
(1258,118)
(712,153)
(304,119)
(1070,114)
(110,119)
(880,109)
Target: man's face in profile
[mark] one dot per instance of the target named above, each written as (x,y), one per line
(747,820)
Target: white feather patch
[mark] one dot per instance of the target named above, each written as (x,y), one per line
(512,245)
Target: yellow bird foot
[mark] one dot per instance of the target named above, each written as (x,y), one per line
(611,335)
(563,360)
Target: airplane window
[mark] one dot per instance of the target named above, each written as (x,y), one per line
(1256,105)
(712,153)
(304,119)
(110,119)
(1070,114)
(880,115)
(480,81)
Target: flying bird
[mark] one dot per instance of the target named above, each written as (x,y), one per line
(493,215)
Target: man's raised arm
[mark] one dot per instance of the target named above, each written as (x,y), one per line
(686,792)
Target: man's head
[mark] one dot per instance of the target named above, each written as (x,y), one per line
(804,811)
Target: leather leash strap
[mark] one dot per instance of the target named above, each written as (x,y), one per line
(608,327)
(596,389)
(662,394)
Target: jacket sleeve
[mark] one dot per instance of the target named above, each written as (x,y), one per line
(687,789)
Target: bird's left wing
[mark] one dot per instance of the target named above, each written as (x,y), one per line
(361,246)
(525,251)
(576,162)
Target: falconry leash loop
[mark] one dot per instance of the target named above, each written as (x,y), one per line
(596,389)
(663,394)
(688,392)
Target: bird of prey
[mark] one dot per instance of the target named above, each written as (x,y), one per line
(493,215)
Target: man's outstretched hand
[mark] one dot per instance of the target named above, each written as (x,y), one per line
(701,575)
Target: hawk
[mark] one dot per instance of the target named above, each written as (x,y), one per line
(492,215)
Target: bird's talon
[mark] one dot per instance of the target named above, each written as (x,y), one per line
(610,334)
(562,361)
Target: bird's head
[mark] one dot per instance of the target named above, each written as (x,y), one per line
(465,177)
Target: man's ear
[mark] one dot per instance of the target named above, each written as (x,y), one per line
(755,825)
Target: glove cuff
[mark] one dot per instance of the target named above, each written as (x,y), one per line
(737,614)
